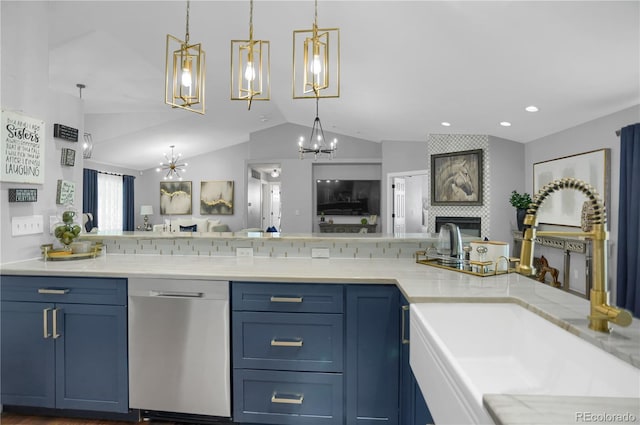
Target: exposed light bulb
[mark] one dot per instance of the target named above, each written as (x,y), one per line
(316,65)
(186,73)
(250,72)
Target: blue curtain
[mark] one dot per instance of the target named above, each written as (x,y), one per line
(90,196)
(628,282)
(128,213)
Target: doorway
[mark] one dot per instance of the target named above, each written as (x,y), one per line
(263,196)
(408,201)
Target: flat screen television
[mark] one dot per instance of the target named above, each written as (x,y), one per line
(348,197)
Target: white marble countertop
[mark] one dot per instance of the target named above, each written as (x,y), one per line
(419,283)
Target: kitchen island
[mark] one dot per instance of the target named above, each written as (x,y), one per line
(418,283)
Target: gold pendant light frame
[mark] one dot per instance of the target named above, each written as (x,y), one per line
(185,73)
(316,71)
(250,67)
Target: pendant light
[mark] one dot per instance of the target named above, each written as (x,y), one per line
(250,67)
(316,144)
(184,73)
(316,61)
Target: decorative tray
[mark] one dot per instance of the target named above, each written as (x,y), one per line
(50,254)
(475,268)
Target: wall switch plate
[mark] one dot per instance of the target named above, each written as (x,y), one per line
(244,252)
(27,225)
(319,252)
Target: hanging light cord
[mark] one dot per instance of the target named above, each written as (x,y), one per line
(186,37)
(251,20)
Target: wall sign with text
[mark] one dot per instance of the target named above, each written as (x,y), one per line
(21,148)
(63,132)
(65,192)
(23,195)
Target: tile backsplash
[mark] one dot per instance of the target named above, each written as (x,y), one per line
(277,248)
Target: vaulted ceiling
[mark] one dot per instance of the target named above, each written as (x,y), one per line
(406,67)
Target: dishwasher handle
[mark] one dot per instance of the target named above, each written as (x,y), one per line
(176,294)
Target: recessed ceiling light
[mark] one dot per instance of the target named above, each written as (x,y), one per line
(531,108)
(445,124)
(505,124)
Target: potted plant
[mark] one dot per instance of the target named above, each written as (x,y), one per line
(521,202)
(364,221)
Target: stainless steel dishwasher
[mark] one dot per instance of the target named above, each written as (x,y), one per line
(179,346)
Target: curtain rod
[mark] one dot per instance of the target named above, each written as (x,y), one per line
(618,133)
(110,172)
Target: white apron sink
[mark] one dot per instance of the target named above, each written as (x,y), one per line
(460,351)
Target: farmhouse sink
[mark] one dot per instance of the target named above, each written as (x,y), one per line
(460,351)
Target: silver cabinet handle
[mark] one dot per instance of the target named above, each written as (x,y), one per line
(405,339)
(275,299)
(287,398)
(56,335)
(53,291)
(286,343)
(45,323)
(176,294)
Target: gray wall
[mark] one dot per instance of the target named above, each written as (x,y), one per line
(24,84)
(507,163)
(223,164)
(592,135)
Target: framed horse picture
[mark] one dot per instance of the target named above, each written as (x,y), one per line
(456,178)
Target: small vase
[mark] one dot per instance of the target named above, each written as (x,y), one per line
(520,214)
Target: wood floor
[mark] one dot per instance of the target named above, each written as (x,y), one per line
(17,419)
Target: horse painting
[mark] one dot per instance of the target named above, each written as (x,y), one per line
(456,179)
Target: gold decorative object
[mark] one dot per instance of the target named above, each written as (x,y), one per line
(601,312)
(173,166)
(250,67)
(184,73)
(316,68)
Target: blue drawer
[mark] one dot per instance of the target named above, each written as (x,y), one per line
(62,289)
(285,297)
(283,398)
(288,341)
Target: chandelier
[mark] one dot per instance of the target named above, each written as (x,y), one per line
(184,73)
(316,143)
(173,167)
(316,72)
(250,64)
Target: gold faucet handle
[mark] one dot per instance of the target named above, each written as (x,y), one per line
(615,315)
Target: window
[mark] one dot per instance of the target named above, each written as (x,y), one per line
(109,202)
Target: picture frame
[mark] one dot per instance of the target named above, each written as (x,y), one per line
(175,198)
(563,207)
(216,197)
(457,178)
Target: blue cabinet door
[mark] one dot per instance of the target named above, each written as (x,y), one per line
(91,358)
(372,354)
(27,353)
(413,407)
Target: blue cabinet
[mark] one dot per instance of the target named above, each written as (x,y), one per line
(64,343)
(413,407)
(372,354)
(288,350)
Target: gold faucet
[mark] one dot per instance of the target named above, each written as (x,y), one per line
(601,312)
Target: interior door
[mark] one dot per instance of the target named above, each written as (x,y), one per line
(254,203)
(275,205)
(399,225)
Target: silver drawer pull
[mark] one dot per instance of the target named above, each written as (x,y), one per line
(287,398)
(286,343)
(53,291)
(175,294)
(275,299)
(45,323)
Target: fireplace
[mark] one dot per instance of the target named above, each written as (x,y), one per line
(471,226)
